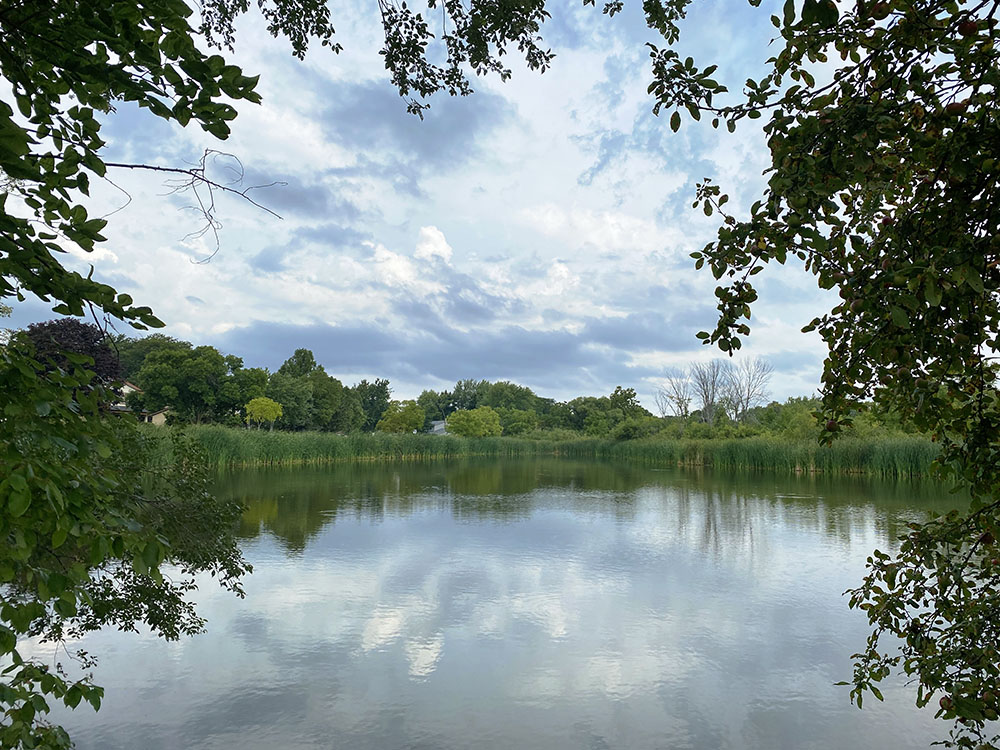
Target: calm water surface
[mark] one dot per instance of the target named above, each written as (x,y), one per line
(526,604)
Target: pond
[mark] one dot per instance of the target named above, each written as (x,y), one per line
(524,604)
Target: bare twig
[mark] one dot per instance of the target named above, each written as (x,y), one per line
(195,179)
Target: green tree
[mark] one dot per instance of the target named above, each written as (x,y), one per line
(349,416)
(89,516)
(467,394)
(435,405)
(401,416)
(882,183)
(262,409)
(626,401)
(132,352)
(634,428)
(557,416)
(190,382)
(374,400)
(328,395)
(506,395)
(295,397)
(482,421)
(327,392)
(247,383)
(793,419)
(53,339)
(517,421)
(299,365)
(598,423)
(597,416)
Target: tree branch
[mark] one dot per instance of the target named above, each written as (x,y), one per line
(197,175)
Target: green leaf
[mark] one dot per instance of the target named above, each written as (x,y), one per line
(59,537)
(151,554)
(18,503)
(675,121)
(789,12)
(932,292)
(73,696)
(974,280)
(899,316)
(8,640)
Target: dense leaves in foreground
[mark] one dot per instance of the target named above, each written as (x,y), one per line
(91,517)
(85,521)
(884,136)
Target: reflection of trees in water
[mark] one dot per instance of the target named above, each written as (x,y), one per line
(727,509)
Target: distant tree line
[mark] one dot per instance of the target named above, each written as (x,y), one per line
(200,384)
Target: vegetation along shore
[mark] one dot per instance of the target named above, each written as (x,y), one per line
(900,456)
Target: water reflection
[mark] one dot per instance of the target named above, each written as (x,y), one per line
(533,604)
(295,505)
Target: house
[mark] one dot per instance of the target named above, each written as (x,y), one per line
(438,427)
(157,417)
(129,388)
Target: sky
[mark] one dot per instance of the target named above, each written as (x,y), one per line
(537,231)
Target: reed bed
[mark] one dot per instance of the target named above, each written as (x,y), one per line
(895,457)
(902,456)
(226,446)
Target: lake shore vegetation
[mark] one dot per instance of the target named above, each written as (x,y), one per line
(887,456)
(711,414)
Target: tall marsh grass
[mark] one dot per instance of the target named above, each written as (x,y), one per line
(899,457)
(903,456)
(226,446)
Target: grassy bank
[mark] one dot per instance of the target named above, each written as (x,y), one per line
(906,456)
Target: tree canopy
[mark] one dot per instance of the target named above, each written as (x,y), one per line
(89,515)
(262,409)
(86,518)
(883,183)
(483,421)
(53,339)
(401,416)
(374,400)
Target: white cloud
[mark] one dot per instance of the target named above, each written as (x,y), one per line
(432,244)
